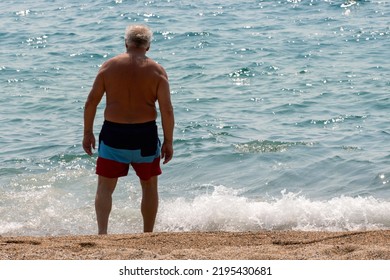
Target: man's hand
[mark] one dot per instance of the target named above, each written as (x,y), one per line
(89,143)
(166,152)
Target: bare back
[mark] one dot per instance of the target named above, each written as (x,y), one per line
(131,84)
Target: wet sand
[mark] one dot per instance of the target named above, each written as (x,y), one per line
(262,245)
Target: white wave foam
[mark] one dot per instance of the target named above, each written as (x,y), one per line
(226,210)
(59,210)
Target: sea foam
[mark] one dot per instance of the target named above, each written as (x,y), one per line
(225,210)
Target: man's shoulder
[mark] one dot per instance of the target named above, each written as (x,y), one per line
(111,62)
(116,58)
(158,67)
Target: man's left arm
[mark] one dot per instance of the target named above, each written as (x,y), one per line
(90,108)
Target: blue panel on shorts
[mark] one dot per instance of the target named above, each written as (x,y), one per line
(125,156)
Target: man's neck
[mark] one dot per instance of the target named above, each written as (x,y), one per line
(136,53)
(139,51)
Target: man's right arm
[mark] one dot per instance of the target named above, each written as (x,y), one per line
(167,118)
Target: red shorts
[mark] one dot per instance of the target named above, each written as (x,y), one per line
(122,145)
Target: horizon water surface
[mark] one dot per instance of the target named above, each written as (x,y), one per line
(281,114)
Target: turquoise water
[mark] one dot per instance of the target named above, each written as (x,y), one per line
(281,114)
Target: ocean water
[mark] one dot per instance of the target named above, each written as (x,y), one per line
(282,114)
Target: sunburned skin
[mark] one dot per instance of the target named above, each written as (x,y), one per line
(131,82)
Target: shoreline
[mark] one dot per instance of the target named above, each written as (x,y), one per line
(261,245)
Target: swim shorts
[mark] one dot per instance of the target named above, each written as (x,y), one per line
(123,144)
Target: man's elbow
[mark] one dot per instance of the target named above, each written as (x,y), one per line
(168,114)
(90,103)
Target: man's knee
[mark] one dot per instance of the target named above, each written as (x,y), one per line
(106,185)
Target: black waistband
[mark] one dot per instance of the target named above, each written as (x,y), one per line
(130,125)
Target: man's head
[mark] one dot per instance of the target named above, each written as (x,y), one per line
(139,36)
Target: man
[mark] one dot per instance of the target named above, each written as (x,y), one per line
(132,83)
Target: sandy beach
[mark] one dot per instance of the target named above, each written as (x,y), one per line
(262,245)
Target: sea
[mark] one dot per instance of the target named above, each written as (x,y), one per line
(281,114)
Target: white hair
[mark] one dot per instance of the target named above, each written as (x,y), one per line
(139,35)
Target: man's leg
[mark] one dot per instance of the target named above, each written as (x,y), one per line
(103,201)
(149,204)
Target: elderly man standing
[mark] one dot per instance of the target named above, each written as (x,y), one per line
(133,83)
